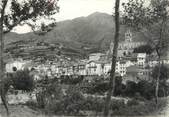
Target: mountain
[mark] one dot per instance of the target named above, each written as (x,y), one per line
(81,35)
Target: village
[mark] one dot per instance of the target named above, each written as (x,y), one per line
(84,58)
(131,66)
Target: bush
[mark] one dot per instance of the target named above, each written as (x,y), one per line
(93,104)
(142,109)
(49,95)
(132,102)
(22,80)
(53,101)
(73,101)
(131,89)
(71,80)
(32,104)
(117,105)
(146,89)
(100,86)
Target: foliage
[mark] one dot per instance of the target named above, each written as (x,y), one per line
(163,77)
(117,105)
(137,14)
(73,101)
(100,85)
(72,80)
(132,102)
(143,49)
(93,103)
(146,89)
(22,80)
(164,72)
(52,100)
(49,94)
(119,87)
(141,109)
(131,89)
(23,11)
(150,19)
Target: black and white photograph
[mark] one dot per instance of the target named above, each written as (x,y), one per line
(84,58)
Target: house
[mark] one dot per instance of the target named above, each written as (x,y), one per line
(82,70)
(141,59)
(107,68)
(95,56)
(95,68)
(165,58)
(16,65)
(121,66)
(153,59)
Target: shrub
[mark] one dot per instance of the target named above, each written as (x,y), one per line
(53,101)
(117,105)
(100,86)
(32,104)
(132,102)
(93,104)
(49,95)
(71,80)
(146,89)
(22,80)
(131,89)
(148,107)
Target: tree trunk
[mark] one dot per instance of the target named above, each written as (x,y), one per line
(157,82)
(113,66)
(2,64)
(2,47)
(159,53)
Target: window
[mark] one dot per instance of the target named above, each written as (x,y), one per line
(95,69)
(14,69)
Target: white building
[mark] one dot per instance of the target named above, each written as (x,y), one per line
(18,65)
(141,59)
(127,46)
(107,68)
(121,67)
(95,56)
(94,68)
(82,69)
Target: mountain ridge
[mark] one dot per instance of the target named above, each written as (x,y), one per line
(94,32)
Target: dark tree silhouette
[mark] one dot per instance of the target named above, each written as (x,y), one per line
(114,57)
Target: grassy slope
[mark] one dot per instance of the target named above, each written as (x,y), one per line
(94,32)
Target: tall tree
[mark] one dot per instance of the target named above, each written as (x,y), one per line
(164,75)
(15,12)
(114,57)
(151,21)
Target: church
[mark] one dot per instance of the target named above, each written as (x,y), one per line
(127,46)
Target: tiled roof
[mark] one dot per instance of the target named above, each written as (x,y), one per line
(99,62)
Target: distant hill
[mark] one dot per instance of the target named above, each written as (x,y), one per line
(83,35)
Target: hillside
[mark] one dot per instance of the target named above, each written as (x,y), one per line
(81,35)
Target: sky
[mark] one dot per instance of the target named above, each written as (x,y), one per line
(70,9)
